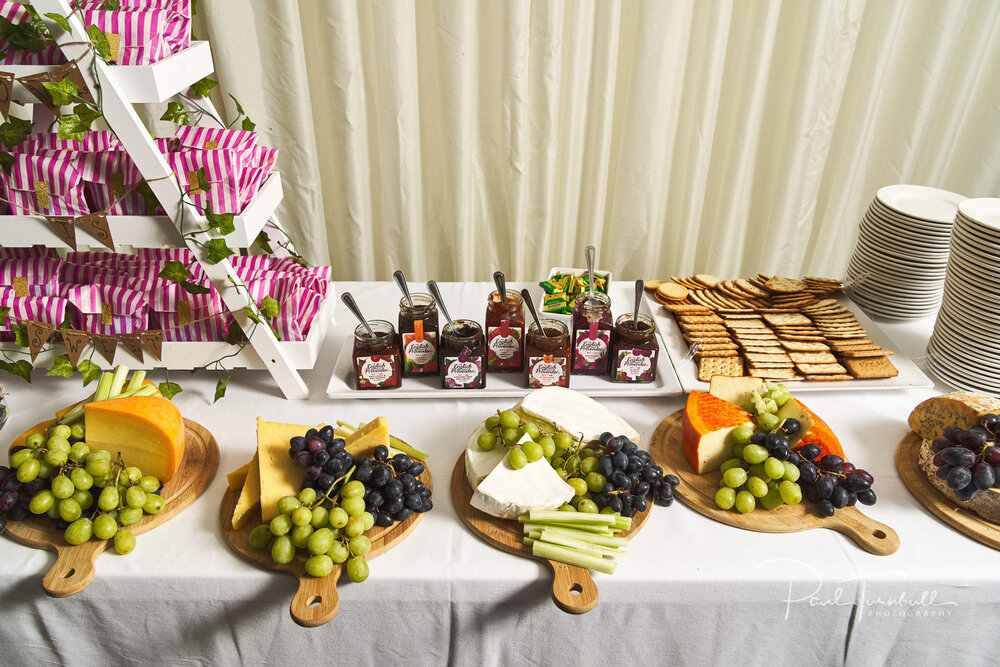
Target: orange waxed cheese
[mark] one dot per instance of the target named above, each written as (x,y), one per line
(820,434)
(148,432)
(707,425)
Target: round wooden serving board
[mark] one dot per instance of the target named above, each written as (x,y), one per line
(316,600)
(573,589)
(74,566)
(953,514)
(698,493)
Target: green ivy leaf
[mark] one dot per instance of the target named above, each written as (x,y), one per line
(203,87)
(169,389)
(269,307)
(248,125)
(21,369)
(87,114)
(60,21)
(61,367)
(148,198)
(71,127)
(20,334)
(88,370)
(239,107)
(252,315)
(62,92)
(27,35)
(3,315)
(221,222)
(176,271)
(195,288)
(217,250)
(263,242)
(176,113)
(100,41)
(220,387)
(6,162)
(14,131)
(111,4)
(235,335)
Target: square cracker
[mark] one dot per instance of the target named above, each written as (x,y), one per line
(775,373)
(861,354)
(821,369)
(787,320)
(874,367)
(828,378)
(709,366)
(804,346)
(813,357)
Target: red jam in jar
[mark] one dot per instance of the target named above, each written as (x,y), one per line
(505,332)
(547,357)
(634,350)
(592,325)
(462,356)
(418,335)
(377,360)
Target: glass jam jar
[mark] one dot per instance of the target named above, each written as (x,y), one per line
(634,349)
(547,357)
(462,356)
(592,326)
(505,332)
(377,360)
(418,335)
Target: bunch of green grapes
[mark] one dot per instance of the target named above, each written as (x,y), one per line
(507,428)
(753,475)
(331,535)
(84,492)
(765,402)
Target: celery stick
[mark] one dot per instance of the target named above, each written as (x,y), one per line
(412,452)
(103,387)
(622,522)
(604,540)
(144,390)
(533,534)
(136,381)
(580,545)
(572,557)
(118,381)
(76,413)
(529,541)
(542,525)
(571,517)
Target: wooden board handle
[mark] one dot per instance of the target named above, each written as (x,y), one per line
(573,590)
(872,536)
(316,601)
(73,569)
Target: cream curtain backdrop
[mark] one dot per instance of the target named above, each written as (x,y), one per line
(452,138)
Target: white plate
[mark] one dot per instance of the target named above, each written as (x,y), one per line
(900,236)
(963,367)
(914,252)
(687,370)
(920,201)
(949,379)
(958,332)
(969,237)
(934,229)
(984,210)
(879,258)
(862,264)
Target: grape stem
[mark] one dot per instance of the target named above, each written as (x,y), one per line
(326,496)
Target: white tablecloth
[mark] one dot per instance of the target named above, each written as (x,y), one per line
(690,591)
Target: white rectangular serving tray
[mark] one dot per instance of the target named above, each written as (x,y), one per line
(910,376)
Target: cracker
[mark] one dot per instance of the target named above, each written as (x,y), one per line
(699,355)
(804,346)
(821,369)
(707,279)
(828,378)
(709,366)
(776,356)
(683,308)
(672,291)
(651,285)
(861,354)
(813,357)
(873,367)
(774,373)
(702,327)
(788,320)
(700,319)
(758,349)
(708,340)
(716,346)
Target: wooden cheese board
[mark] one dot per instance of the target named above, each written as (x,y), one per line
(316,601)
(964,520)
(74,566)
(698,493)
(573,589)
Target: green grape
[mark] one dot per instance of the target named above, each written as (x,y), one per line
(260,537)
(338,533)
(113,514)
(587,505)
(745,502)
(509,419)
(790,492)
(353,506)
(562,473)
(607,510)
(741,434)
(319,565)
(288,504)
(44,469)
(135,496)
(58,445)
(300,535)
(60,431)
(81,479)
(78,452)
(102,454)
(725,498)
(28,470)
(149,484)
(69,510)
(33,441)
(78,432)
(757,470)
(302,516)
(772,499)
(124,541)
(18,458)
(492,422)
(357,569)
(731,463)
(595,481)
(734,477)
(579,485)
(512,435)
(558,462)
(486,441)
(369,520)
(56,457)
(320,517)
(532,451)
(320,541)
(352,489)
(53,512)
(768,421)
(105,527)
(360,545)
(133,475)
(96,466)
(108,500)
(282,549)
(307,495)
(62,487)
(754,454)
(774,468)
(41,502)
(517,458)
(548,446)
(791,472)
(355,526)
(566,507)
(562,441)
(85,498)
(79,531)
(589,464)
(338,553)
(280,525)
(339,517)
(129,516)
(154,504)
(100,481)
(757,486)
(533,431)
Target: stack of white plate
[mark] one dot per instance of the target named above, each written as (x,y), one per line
(897,270)
(965,348)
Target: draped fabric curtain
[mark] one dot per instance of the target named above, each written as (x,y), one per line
(450,138)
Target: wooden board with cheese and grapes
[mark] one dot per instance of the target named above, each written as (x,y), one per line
(559,477)
(104,470)
(314,501)
(749,454)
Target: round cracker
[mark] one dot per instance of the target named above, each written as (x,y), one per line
(672,291)
(651,285)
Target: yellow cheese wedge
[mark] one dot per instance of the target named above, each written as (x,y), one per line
(147,431)
(368,437)
(238,477)
(279,474)
(249,496)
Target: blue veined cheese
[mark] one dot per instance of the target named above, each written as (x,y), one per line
(574,413)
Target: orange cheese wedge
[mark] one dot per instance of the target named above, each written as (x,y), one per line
(708,423)
(819,434)
(148,432)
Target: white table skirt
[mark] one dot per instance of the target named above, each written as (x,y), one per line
(690,590)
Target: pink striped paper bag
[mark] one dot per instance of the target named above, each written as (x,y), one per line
(109,183)
(43,142)
(31,276)
(262,161)
(177,32)
(16,14)
(109,310)
(25,253)
(187,317)
(222,169)
(50,185)
(141,33)
(216,138)
(299,307)
(45,309)
(82,274)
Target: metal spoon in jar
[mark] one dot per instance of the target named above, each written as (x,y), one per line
(401,281)
(589,252)
(353,307)
(638,298)
(531,309)
(432,287)
(501,286)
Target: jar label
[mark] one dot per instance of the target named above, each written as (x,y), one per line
(547,371)
(504,346)
(377,371)
(591,349)
(420,356)
(464,372)
(635,365)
